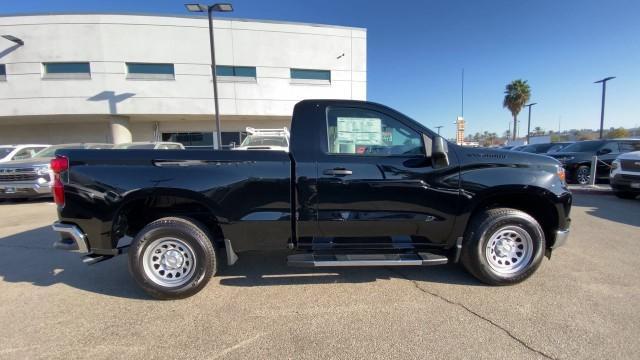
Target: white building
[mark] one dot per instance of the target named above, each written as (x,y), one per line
(117,78)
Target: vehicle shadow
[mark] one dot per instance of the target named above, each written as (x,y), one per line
(28,257)
(25,200)
(609,207)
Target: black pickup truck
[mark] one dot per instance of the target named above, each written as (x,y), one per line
(362,185)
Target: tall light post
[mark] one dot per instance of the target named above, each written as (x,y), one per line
(221,7)
(604,92)
(438,127)
(529,122)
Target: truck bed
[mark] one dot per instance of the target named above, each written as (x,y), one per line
(240,188)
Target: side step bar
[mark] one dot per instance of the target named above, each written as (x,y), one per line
(91,259)
(344,260)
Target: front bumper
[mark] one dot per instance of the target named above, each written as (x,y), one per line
(9,190)
(625,182)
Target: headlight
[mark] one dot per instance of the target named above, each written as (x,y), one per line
(561,173)
(43,170)
(615,164)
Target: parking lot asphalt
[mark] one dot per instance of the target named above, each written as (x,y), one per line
(582,304)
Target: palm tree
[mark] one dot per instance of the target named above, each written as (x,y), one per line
(516,95)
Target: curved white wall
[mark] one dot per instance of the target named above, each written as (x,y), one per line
(108,41)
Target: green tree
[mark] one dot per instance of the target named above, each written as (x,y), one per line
(617,133)
(516,95)
(538,131)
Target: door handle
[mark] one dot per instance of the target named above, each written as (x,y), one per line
(338,172)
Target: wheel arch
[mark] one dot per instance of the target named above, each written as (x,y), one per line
(535,201)
(142,207)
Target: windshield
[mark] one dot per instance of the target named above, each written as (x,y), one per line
(253,140)
(583,146)
(4,151)
(51,150)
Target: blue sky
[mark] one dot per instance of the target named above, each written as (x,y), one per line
(416,50)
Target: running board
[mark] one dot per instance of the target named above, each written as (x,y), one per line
(91,259)
(344,260)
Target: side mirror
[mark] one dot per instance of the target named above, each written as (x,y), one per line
(603,151)
(437,150)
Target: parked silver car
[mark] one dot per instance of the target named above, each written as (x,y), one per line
(31,178)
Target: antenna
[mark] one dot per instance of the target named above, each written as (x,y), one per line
(462,110)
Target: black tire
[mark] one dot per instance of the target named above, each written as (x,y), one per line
(625,195)
(579,175)
(187,231)
(483,228)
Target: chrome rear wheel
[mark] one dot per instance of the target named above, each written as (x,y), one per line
(169,262)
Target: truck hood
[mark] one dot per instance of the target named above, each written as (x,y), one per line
(506,157)
(635,155)
(33,162)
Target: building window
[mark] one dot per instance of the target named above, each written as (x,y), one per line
(305,76)
(236,73)
(3,72)
(191,140)
(66,70)
(147,71)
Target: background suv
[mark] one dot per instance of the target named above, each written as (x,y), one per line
(18,152)
(31,178)
(576,158)
(625,175)
(545,148)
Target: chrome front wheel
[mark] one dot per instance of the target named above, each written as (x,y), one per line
(509,250)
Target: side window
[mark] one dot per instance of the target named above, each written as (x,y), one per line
(369,133)
(613,146)
(25,153)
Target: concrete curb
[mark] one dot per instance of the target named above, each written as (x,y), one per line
(591,189)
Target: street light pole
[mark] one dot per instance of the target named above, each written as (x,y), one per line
(529,121)
(215,80)
(210,9)
(438,127)
(604,92)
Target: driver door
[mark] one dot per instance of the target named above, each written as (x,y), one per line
(377,189)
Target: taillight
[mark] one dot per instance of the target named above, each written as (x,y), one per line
(58,165)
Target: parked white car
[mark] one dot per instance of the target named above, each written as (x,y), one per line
(19,152)
(625,175)
(265,139)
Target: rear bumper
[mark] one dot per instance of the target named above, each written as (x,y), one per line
(71,238)
(10,190)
